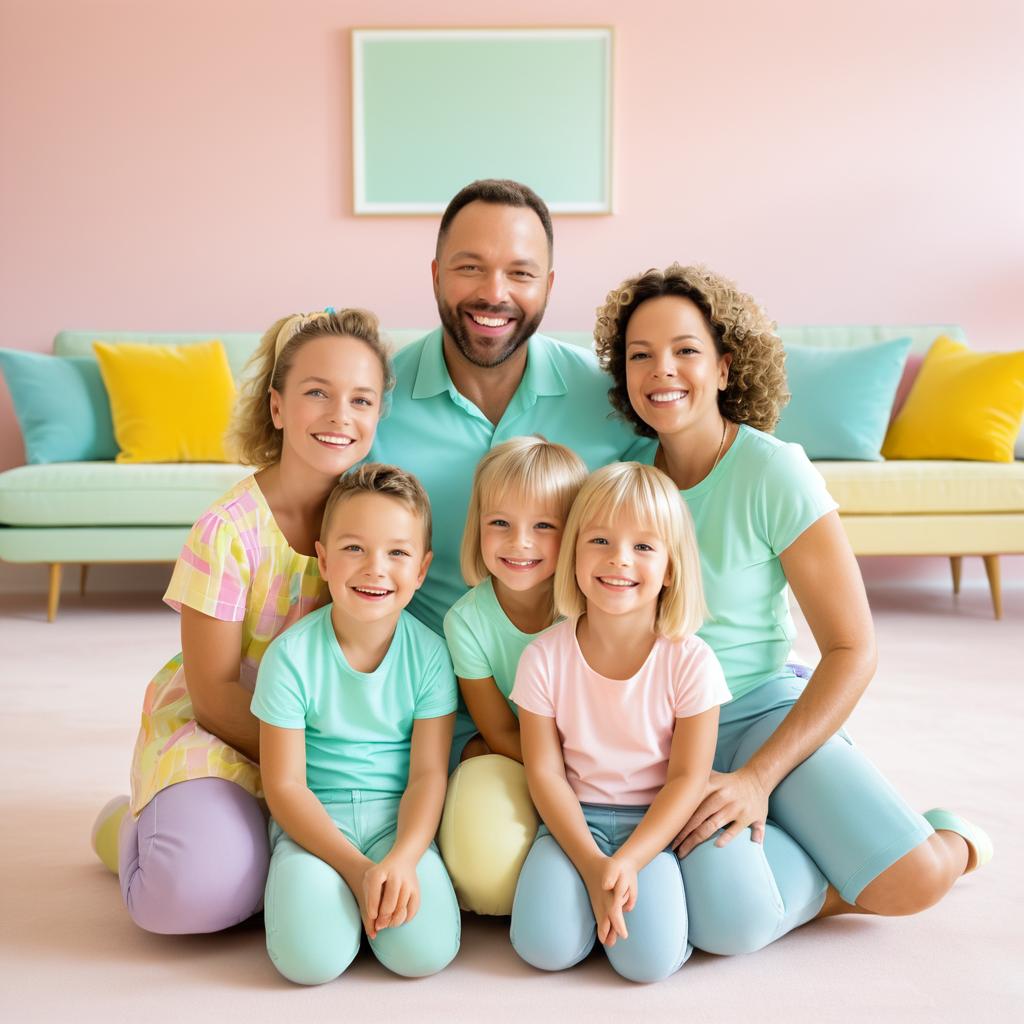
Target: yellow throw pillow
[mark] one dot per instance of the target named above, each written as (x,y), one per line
(963,405)
(169,403)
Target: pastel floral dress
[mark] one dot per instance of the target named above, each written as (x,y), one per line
(235,566)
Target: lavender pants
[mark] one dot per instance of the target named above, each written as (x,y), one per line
(196,858)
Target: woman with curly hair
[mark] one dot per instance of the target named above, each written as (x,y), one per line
(697,363)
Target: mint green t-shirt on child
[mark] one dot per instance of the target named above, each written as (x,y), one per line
(483,641)
(358,724)
(761,496)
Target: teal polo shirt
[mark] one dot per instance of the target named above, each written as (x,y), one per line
(439,435)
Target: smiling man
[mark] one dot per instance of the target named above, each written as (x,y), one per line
(483,377)
(486,375)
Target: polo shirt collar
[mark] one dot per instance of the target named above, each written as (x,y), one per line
(541,377)
(432,377)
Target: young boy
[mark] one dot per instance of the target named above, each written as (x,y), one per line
(356,703)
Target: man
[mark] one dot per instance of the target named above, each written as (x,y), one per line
(485,375)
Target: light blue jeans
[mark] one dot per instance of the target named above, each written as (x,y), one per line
(553,925)
(312,918)
(834,819)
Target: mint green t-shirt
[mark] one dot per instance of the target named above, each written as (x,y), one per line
(358,724)
(435,432)
(757,501)
(483,641)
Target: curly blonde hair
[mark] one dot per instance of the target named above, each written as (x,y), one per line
(756,390)
(252,437)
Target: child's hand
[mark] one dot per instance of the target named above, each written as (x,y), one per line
(612,887)
(391,894)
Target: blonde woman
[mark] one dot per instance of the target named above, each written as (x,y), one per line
(618,708)
(191,846)
(522,491)
(795,822)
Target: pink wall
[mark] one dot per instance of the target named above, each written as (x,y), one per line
(186,166)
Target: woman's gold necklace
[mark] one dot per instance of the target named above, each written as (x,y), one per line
(721,446)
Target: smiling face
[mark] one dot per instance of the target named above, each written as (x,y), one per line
(621,565)
(673,370)
(491,280)
(330,404)
(373,556)
(519,542)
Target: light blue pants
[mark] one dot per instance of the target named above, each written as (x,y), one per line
(312,918)
(834,819)
(553,925)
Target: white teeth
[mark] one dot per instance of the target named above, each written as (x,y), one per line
(522,562)
(667,396)
(487,321)
(372,591)
(616,582)
(341,442)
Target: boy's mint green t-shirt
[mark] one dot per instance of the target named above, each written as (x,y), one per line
(358,724)
(436,433)
(757,501)
(483,641)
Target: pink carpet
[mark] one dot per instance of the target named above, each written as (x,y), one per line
(942,720)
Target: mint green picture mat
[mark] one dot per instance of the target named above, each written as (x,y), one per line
(434,111)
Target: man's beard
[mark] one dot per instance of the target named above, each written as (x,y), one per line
(471,349)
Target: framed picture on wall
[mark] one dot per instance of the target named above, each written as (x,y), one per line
(434,109)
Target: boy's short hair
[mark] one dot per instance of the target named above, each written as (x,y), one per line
(652,497)
(377,478)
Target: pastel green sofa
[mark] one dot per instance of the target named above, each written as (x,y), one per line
(87,513)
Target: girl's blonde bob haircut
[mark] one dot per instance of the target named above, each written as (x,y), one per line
(648,494)
(525,467)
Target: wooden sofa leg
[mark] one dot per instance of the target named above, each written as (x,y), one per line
(956,563)
(81,580)
(54,599)
(992,572)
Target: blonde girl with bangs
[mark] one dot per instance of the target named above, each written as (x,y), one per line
(190,846)
(618,709)
(520,499)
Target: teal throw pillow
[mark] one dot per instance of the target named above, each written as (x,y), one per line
(61,406)
(842,398)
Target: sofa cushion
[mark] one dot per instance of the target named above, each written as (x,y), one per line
(963,405)
(926,487)
(113,494)
(842,398)
(170,403)
(61,406)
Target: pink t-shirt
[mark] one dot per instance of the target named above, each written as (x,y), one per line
(617,733)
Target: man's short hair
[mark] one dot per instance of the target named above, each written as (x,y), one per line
(377,478)
(498,192)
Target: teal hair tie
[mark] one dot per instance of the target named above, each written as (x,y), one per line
(329,309)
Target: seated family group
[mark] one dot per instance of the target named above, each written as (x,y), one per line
(477,637)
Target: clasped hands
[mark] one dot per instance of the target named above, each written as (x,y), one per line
(732,801)
(612,888)
(388,893)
